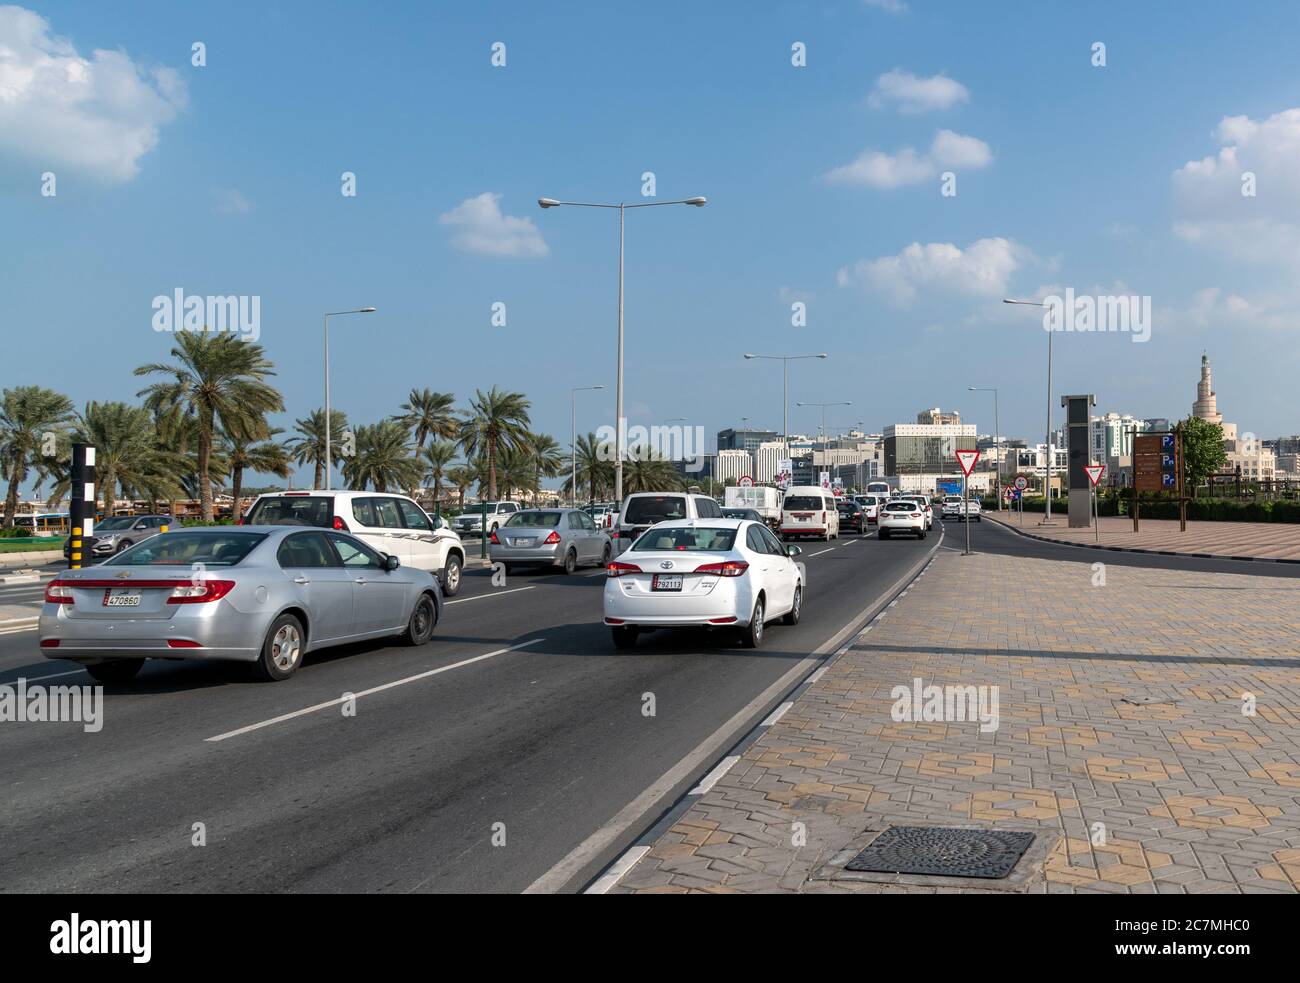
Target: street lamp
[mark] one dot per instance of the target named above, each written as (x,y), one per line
(785,393)
(329,423)
(1047,471)
(573,441)
(822,432)
(997,442)
(698,202)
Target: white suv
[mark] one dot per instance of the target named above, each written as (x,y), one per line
(471,518)
(390,523)
(901,515)
(641,510)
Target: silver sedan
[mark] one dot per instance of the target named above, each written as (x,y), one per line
(260,594)
(563,538)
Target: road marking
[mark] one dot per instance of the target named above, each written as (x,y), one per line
(819,553)
(20,621)
(817,675)
(369,692)
(616,872)
(53,675)
(778,713)
(513,590)
(711,779)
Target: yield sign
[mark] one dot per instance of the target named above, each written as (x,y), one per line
(1095,471)
(967,461)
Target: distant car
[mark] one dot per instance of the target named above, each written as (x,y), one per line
(924,502)
(642,510)
(471,518)
(385,521)
(852,516)
(902,515)
(950,507)
(751,514)
(117,533)
(714,573)
(266,595)
(565,538)
(601,515)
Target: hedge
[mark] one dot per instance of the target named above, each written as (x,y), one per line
(1203,509)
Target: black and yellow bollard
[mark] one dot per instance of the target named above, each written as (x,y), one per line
(81,517)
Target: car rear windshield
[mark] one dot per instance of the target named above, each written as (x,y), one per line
(211,547)
(793,502)
(536,520)
(655,508)
(900,507)
(292,510)
(119,522)
(703,539)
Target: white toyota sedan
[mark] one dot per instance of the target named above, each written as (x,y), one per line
(707,572)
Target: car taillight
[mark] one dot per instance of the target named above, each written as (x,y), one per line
(552,539)
(728,568)
(58,592)
(493,539)
(617,569)
(200,593)
(340,525)
(182,643)
(916,515)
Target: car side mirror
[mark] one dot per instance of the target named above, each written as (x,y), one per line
(793,550)
(391,562)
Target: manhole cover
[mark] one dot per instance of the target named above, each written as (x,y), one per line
(943,851)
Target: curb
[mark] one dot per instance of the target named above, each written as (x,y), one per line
(1137,549)
(610,875)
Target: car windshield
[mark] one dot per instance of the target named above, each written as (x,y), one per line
(901,507)
(706,540)
(291,510)
(537,520)
(802,502)
(655,508)
(478,509)
(211,547)
(118,522)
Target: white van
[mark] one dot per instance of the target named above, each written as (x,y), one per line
(390,523)
(809,510)
(643,509)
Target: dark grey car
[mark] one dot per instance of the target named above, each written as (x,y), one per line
(565,538)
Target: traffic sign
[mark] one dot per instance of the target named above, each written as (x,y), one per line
(746,481)
(1021,482)
(967,461)
(1094,471)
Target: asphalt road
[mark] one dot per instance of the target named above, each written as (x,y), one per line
(475,769)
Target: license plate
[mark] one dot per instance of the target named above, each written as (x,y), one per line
(121,598)
(666,582)
(527,541)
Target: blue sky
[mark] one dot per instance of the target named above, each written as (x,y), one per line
(225,179)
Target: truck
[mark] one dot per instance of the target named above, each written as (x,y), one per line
(763,499)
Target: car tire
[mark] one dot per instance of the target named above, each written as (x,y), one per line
(282,650)
(424,618)
(979,519)
(124,545)
(570,563)
(792,617)
(451,575)
(751,636)
(116,671)
(606,556)
(882,534)
(624,637)
(920,534)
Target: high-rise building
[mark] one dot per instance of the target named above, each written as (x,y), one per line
(766,460)
(935,417)
(733,465)
(1112,435)
(743,440)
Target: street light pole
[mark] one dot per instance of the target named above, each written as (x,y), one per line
(822,431)
(1047,471)
(329,427)
(698,202)
(573,442)
(785,393)
(997,442)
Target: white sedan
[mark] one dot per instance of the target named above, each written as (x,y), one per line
(711,573)
(901,515)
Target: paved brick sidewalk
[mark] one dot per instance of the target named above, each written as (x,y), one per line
(1129,715)
(1275,540)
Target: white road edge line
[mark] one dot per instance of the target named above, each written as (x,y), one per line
(616,872)
(20,621)
(819,553)
(778,713)
(711,779)
(55,675)
(370,692)
(513,590)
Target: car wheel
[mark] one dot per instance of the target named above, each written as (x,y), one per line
(624,637)
(920,534)
(751,636)
(116,671)
(282,651)
(419,629)
(979,519)
(792,618)
(451,576)
(883,534)
(570,562)
(606,556)
(124,545)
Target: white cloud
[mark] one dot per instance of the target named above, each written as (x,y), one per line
(58,110)
(888,6)
(231,201)
(481,228)
(980,270)
(877,169)
(910,93)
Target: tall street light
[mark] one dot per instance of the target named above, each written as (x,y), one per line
(1047,471)
(329,423)
(997,442)
(822,431)
(573,445)
(698,202)
(785,361)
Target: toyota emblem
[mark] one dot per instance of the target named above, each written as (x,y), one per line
(666,565)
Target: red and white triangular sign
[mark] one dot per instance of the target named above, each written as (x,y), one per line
(967,461)
(1095,471)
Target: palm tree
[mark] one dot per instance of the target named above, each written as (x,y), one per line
(646,471)
(514,473)
(265,457)
(382,459)
(309,445)
(219,380)
(543,453)
(595,466)
(430,414)
(126,454)
(435,460)
(498,422)
(462,479)
(27,415)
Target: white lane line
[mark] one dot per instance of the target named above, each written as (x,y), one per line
(711,779)
(53,675)
(17,631)
(20,621)
(369,692)
(819,553)
(777,714)
(499,593)
(616,872)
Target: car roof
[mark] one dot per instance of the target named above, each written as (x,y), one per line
(710,523)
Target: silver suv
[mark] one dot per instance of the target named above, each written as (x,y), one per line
(119,532)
